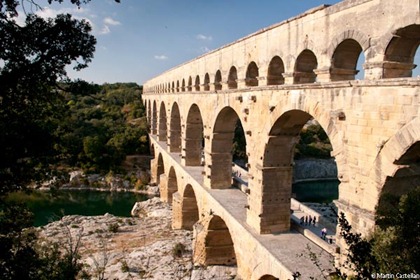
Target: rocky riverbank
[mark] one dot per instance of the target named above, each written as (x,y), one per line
(141,247)
(314,170)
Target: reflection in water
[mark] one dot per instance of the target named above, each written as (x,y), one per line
(317,191)
(51,205)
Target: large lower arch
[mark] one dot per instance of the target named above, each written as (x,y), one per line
(193,141)
(174,142)
(168,188)
(214,245)
(397,166)
(184,209)
(153,119)
(219,171)
(269,203)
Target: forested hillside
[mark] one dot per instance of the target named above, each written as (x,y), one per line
(102,124)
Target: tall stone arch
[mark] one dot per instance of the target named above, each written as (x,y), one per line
(399,160)
(174,141)
(218,80)
(218,165)
(154,119)
(192,151)
(163,129)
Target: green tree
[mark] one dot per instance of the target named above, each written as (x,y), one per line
(34,57)
(397,238)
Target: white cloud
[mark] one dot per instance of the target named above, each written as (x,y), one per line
(105,30)
(110,21)
(204,37)
(161,57)
(204,49)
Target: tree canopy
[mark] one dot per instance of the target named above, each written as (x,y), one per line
(33,58)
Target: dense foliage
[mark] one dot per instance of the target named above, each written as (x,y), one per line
(32,58)
(394,245)
(101,127)
(313,142)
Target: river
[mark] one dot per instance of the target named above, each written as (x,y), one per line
(50,206)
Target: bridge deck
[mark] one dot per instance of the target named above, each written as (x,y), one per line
(290,248)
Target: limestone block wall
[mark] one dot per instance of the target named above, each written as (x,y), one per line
(359,119)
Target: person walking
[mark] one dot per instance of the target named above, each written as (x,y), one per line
(314,220)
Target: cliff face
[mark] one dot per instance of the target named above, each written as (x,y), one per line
(314,169)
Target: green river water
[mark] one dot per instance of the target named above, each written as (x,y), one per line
(51,205)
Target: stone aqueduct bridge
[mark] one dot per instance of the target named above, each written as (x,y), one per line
(274,81)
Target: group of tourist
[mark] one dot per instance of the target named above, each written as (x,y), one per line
(308,220)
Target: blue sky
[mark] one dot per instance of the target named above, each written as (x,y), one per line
(139,39)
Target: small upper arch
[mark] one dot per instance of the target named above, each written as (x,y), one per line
(275,71)
(305,66)
(251,78)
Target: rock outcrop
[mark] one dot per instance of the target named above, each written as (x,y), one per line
(314,169)
(141,247)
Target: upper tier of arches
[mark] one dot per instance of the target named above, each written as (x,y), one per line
(345,64)
(313,47)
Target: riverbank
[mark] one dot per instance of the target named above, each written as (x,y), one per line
(134,248)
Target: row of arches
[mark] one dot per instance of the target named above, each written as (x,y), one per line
(345,62)
(276,169)
(213,242)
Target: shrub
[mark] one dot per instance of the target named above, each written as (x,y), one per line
(178,250)
(113,227)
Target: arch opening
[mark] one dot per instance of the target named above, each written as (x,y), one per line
(160,169)
(190,84)
(214,245)
(251,78)
(183,85)
(207,82)
(218,80)
(345,60)
(162,135)
(400,52)
(154,119)
(177,86)
(280,166)
(305,65)
(416,70)
(397,214)
(275,71)
(174,142)
(194,141)
(222,148)
(197,83)
(269,277)
(168,187)
(233,78)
